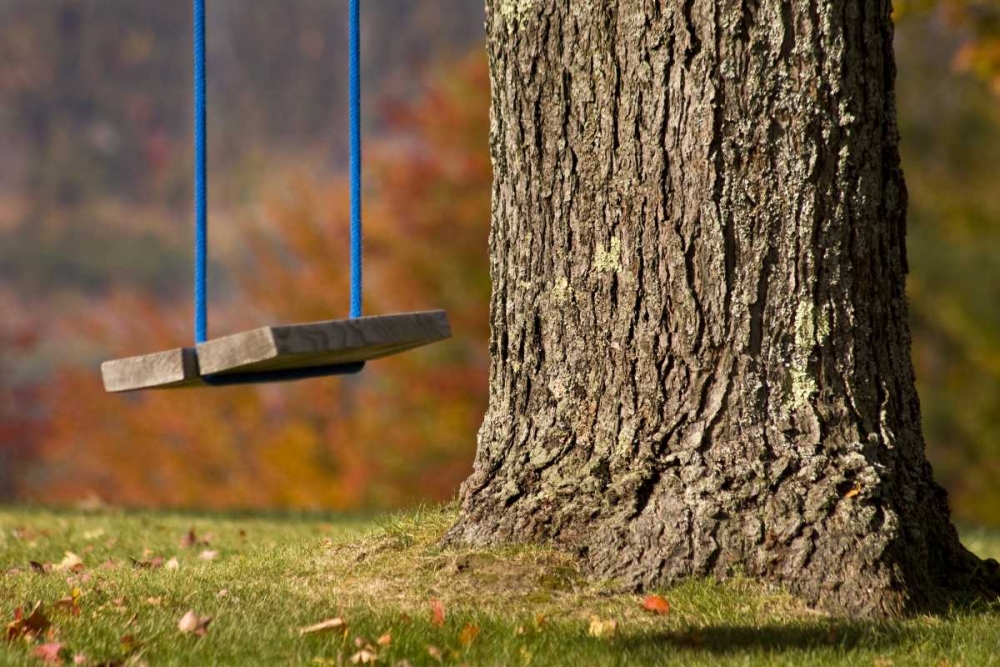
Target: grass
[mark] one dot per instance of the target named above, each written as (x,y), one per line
(272,576)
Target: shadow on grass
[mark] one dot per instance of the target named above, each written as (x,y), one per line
(725,638)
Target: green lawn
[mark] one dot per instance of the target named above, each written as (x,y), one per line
(388,580)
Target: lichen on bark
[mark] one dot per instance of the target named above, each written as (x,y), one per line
(700,353)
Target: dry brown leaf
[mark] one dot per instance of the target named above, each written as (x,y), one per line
(129,643)
(602,629)
(364,657)
(70,605)
(325,626)
(28,625)
(172,564)
(154,563)
(852,493)
(468,635)
(189,540)
(37,567)
(70,562)
(385,639)
(193,623)
(208,555)
(437,612)
(656,604)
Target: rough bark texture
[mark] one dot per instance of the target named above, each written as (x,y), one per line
(700,348)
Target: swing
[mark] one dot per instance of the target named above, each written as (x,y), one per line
(275,353)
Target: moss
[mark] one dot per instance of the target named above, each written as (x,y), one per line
(802,384)
(512,12)
(609,260)
(562,291)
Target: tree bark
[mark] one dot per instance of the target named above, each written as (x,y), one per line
(700,351)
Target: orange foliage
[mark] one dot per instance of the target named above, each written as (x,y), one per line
(21,416)
(402,431)
(977,22)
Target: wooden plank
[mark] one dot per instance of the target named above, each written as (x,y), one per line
(321,343)
(170,369)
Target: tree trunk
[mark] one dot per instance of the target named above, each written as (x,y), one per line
(700,352)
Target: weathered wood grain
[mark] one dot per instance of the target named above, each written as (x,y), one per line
(321,343)
(278,348)
(161,370)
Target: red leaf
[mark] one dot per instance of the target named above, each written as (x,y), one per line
(32,625)
(437,612)
(656,604)
(49,653)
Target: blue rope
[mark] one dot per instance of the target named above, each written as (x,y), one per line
(201,168)
(355,118)
(200,178)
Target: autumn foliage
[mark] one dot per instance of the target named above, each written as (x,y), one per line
(403,430)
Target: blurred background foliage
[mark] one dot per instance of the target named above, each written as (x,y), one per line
(95,227)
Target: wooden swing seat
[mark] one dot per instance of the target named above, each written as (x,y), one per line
(278,353)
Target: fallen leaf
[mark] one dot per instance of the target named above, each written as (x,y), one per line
(70,562)
(129,643)
(434,652)
(37,567)
(154,602)
(324,626)
(364,657)
(208,555)
(49,653)
(656,604)
(189,540)
(92,535)
(223,593)
(468,635)
(193,623)
(79,659)
(437,612)
(385,639)
(172,564)
(147,563)
(853,492)
(30,625)
(602,629)
(70,605)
